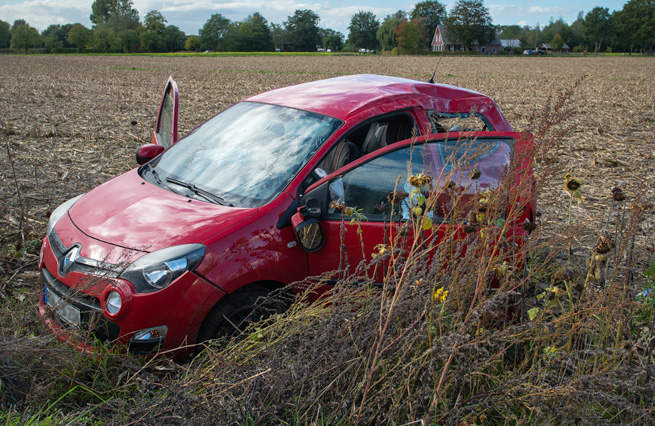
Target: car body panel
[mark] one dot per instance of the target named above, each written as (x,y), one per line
(146,217)
(343,97)
(256,251)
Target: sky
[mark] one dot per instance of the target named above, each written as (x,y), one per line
(190,15)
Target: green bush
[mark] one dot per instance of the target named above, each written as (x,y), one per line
(59,50)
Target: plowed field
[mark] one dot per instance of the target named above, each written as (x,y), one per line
(70,123)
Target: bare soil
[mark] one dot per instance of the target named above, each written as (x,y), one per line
(70,123)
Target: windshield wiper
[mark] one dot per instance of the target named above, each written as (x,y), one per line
(154,173)
(199,191)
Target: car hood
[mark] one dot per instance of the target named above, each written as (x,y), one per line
(131,213)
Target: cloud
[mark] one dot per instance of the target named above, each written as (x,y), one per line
(41,13)
(500,10)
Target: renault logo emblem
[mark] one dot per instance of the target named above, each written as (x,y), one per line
(69,259)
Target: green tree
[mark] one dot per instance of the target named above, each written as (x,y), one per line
(152,38)
(577,30)
(124,16)
(557,43)
(5,35)
(468,21)
(385,34)
(558,27)
(331,39)
(104,38)
(434,14)
(213,32)
(51,42)
(531,37)
(17,23)
(254,35)
(278,35)
(174,38)
(118,15)
(55,36)
(510,31)
(193,43)
(130,41)
(100,11)
(302,30)
(25,37)
(407,36)
(80,36)
(597,26)
(152,42)
(363,30)
(154,22)
(636,24)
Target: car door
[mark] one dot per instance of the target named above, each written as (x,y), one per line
(364,205)
(165,133)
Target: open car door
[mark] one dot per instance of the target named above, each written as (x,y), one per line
(165,133)
(440,177)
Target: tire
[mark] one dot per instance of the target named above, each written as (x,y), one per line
(232,315)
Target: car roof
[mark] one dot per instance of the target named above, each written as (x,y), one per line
(343,97)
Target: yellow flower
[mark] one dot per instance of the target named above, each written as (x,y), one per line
(501,269)
(381,248)
(420,180)
(440,295)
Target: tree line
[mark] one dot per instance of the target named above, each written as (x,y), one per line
(630,29)
(117,28)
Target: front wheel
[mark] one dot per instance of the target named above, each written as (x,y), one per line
(232,315)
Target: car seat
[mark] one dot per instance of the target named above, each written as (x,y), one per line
(345,152)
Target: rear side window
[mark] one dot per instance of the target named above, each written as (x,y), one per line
(461,122)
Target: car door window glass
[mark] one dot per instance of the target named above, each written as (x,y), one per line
(449,163)
(367,138)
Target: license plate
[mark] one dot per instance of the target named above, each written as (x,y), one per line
(67,312)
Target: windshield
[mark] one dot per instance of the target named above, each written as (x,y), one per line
(247,154)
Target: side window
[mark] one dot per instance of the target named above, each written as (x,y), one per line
(367,138)
(459,169)
(368,187)
(465,168)
(442,122)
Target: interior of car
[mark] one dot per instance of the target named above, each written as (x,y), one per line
(367,138)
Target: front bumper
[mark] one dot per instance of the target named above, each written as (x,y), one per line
(73,303)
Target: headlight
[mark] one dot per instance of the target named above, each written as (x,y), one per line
(59,212)
(158,269)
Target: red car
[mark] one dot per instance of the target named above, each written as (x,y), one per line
(177,251)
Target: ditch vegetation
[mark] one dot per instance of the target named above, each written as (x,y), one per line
(565,333)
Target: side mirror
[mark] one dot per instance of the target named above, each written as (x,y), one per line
(147,152)
(308,232)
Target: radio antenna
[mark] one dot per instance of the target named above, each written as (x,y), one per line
(435,68)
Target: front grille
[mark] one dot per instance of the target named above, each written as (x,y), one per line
(92,319)
(80,263)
